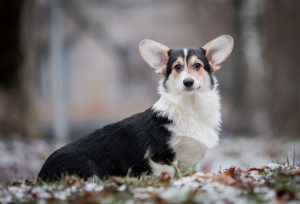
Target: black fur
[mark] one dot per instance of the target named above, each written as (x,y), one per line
(199,52)
(173,55)
(113,149)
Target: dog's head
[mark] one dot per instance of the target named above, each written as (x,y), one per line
(187,70)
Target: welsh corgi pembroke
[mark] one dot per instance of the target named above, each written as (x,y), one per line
(180,126)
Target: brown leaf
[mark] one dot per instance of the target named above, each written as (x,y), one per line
(111,188)
(16,183)
(165,177)
(224,178)
(192,194)
(158,199)
(226,201)
(28,183)
(239,170)
(106,193)
(228,179)
(70,180)
(28,191)
(89,197)
(79,183)
(260,170)
(292,172)
(231,172)
(208,171)
(118,180)
(187,174)
(245,184)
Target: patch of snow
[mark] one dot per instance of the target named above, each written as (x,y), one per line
(99,188)
(245,152)
(6,199)
(122,188)
(90,186)
(141,196)
(273,166)
(41,201)
(61,195)
(176,194)
(41,192)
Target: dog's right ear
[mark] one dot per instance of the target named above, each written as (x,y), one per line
(155,54)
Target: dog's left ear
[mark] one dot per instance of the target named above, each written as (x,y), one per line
(218,50)
(155,54)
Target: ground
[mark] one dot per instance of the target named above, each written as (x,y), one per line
(238,170)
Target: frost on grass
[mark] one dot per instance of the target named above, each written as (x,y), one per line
(274,183)
(21,160)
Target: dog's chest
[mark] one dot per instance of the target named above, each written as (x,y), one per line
(192,137)
(194,127)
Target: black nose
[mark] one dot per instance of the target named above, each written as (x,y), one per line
(188,83)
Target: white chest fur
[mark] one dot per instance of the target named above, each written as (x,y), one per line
(196,120)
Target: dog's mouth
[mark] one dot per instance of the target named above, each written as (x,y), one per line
(190,89)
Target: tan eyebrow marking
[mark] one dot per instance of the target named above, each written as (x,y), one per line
(180,61)
(191,62)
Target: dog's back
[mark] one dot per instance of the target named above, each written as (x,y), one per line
(113,149)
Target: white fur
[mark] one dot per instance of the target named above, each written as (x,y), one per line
(196,120)
(195,111)
(155,54)
(157,168)
(218,50)
(185,75)
(185,52)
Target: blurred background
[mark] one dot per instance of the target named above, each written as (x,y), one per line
(68,67)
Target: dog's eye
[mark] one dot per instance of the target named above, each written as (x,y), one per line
(197,66)
(177,68)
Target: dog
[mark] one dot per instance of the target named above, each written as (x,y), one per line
(180,127)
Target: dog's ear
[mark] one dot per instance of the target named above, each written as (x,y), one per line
(155,54)
(218,50)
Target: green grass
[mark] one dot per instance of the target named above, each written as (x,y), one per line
(229,186)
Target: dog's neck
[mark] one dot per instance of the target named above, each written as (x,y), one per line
(194,115)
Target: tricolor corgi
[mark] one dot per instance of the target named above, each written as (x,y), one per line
(180,126)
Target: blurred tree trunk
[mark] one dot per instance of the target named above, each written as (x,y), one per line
(283,45)
(240,114)
(17,49)
(250,81)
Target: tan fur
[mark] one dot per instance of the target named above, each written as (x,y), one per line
(165,54)
(197,74)
(207,46)
(191,69)
(180,61)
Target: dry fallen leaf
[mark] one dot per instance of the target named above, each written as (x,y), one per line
(30,183)
(260,170)
(79,183)
(165,177)
(70,180)
(224,178)
(292,172)
(158,199)
(118,180)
